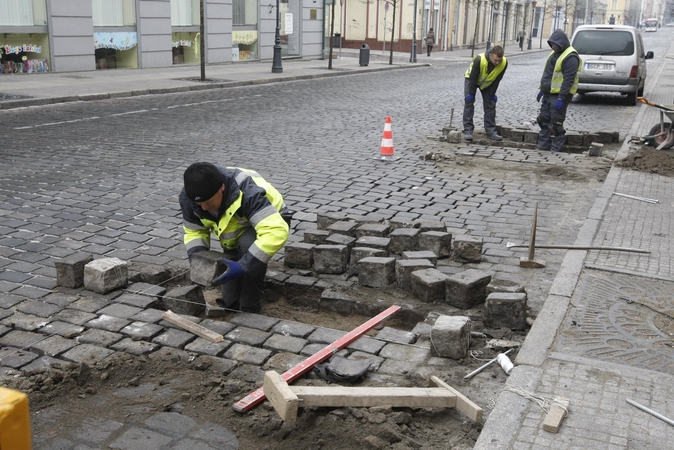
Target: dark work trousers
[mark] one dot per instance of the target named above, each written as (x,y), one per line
(246,292)
(551,121)
(429,49)
(469,110)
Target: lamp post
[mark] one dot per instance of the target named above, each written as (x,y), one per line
(491,26)
(413,54)
(533,14)
(545,5)
(277,66)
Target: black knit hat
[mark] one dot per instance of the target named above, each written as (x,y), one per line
(202,181)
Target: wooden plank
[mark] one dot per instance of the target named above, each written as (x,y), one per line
(282,398)
(341,396)
(463,403)
(192,327)
(305,366)
(553,421)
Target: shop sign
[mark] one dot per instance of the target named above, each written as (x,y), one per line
(244,37)
(182,43)
(25,48)
(289,23)
(118,41)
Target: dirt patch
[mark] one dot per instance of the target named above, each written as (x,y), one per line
(648,159)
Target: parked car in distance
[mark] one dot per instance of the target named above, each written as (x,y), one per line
(614,60)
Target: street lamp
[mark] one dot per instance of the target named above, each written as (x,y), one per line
(533,12)
(277,65)
(413,55)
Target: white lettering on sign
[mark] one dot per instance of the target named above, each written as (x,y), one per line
(25,48)
(289,23)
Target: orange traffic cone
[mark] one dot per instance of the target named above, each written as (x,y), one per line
(386,152)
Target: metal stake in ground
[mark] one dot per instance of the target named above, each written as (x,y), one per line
(529,261)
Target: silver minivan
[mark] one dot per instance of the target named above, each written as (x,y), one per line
(614,60)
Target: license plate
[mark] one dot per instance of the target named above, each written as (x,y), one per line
(595,66)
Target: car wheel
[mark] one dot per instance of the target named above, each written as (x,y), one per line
(632,98)
(656,141)
(641,90)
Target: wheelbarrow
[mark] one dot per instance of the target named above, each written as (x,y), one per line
(662,133)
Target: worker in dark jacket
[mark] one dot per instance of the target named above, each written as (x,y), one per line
(558,84)
(247,215)
(485,73)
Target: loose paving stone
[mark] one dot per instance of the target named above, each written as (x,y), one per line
(105,275)
(341,239)
(146,289)
(119,310)
(467,289)
(336,301)
(220,327)
(373,229)
(15,358)
(248,336)
(150,315)
(205,266)
(52,346)
(421,254)
(388,334)
(142,330)
(331,258)
(256,321)
(100,338)
(366,344)
(438,242)
(345,227)
(468,248)
(134,347)
(185,300)
(295,329)
(299,255)
(206,347)
(174,338)
(247,354)
(404,239)
(377,272)
(404,269)
(87,353)
(315,237)
(451,337)
(505,310)
(108,323)
(139,301)
(428,285)
(325,336)
(70,270)
(281,343)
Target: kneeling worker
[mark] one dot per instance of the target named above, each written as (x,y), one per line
(248,216)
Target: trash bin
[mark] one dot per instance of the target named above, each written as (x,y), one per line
(364,57)
(337,40)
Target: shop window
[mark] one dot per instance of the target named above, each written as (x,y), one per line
(114,13)
(23,13)
(24,53)
(185,48)
(244,12)
(185,13)
(244,45)
(114,50)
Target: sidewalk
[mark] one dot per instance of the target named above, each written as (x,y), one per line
(600,339)
(48,88)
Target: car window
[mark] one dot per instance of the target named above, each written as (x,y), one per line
(604,42)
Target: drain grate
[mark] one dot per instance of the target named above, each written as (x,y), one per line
(8,97)
(622,319)
(207,80)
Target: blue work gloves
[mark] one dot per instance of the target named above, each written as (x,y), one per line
(559,104)
(470,98)
(494,98)
(539,96)
(233,272)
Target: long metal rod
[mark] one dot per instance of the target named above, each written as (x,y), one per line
(581,247)
(481,368)
(650,411)
(634,197)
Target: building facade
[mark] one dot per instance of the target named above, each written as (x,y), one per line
(79,35)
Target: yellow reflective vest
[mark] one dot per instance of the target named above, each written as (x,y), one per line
(558,76)
(248,201)
(484,79)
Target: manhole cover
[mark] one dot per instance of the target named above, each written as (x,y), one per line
(207,80)
(8,97)
(622,319)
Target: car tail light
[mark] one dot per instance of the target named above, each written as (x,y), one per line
(634,71)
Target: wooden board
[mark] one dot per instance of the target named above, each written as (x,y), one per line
(463,403)
(281,396)
(363,397)
(192,327)
(553,421)
(305,366)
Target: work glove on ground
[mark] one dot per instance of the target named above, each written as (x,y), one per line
(494,98)
(559,104)
(539,96)
(470,98)
(233,272)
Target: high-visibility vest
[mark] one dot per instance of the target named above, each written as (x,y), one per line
(484,80)
(558,76)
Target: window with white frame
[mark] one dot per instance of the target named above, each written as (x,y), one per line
(16,13)
(185,13)
(114,13)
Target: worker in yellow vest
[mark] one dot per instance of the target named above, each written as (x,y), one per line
(558,84)
(485,73)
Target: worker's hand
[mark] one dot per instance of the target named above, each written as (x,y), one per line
(470,98)
(233,272)
(494,98)
(539,96)
(559,104)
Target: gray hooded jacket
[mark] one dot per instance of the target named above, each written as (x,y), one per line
(569,68)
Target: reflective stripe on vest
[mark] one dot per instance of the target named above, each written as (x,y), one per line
(558,76)
(484,79)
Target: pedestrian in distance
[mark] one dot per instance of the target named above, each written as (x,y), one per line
(558,84)
(485,73)
(249,218)
(520,39)
(430,40)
